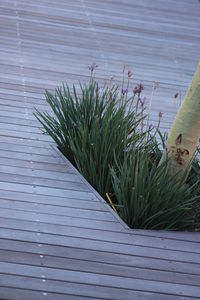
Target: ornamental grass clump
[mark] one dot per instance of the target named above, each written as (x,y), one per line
(105,133)
(148,196)
(93,127)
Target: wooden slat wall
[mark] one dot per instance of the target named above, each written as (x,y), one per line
(58,238)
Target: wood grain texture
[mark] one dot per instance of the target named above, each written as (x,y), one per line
(58,237)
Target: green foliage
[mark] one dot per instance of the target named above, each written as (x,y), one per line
(102,132)
(148,197)
(91,129)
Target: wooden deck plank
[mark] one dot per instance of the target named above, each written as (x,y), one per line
(65,201)
(70,288)
(30,156)
(98,268)
(50,239)
(35,165)
(62,220)
(9,186)
(174,235)
(58,211)
(58,238)
(101,257)
(76,185)
(10,293)
(106,235)
(99,280)
(26,149)
(58,176)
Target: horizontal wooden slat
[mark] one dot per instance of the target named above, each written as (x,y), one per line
(107,236)
(101,256)
(11,293)
(90,203)
(75,184)
(98,268)
(152,252)
(57,210)
(65,276)
(76,289)
(78,221)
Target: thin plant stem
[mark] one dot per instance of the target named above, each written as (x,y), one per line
(150,103)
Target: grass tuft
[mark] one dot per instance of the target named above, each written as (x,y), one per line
(102,132)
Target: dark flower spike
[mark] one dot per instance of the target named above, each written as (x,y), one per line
(124,91)
(138,88)
(129,74)
(93,67)
(160,115)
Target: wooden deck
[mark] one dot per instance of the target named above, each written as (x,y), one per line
(58,238)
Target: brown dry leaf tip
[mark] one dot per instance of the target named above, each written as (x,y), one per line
(129,74)
(110,201)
